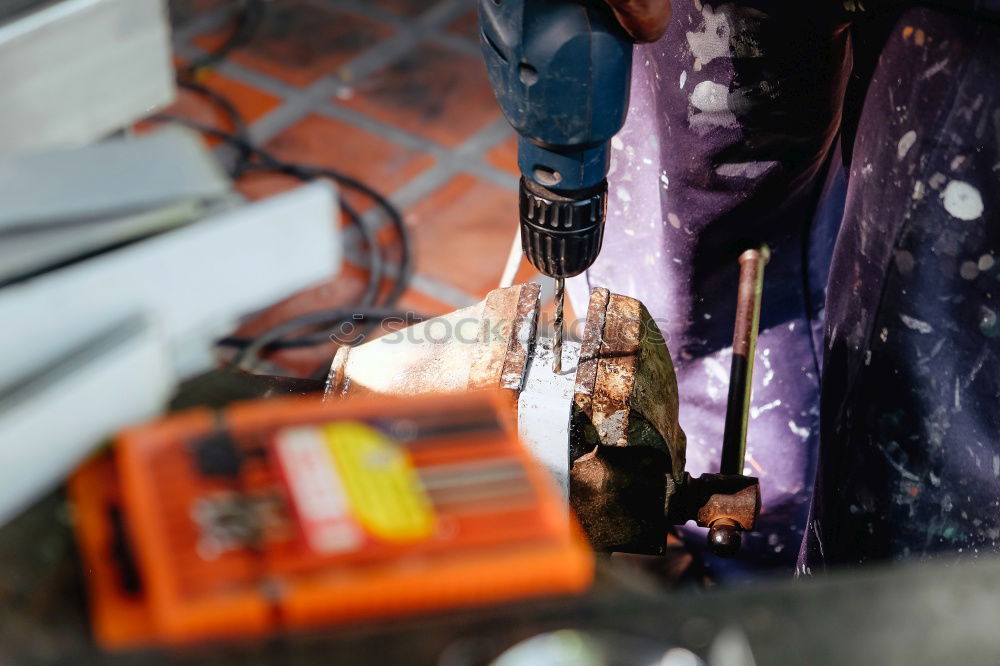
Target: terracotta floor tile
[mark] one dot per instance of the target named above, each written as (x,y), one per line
(255,186)
(504,155)
(462,233)
(300,41)
(407,8)
(251,102)
(368,157)
(466,25)
(183,11)
(432,91)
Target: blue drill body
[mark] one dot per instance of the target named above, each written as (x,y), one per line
(560,70)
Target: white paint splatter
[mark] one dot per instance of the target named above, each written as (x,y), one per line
(907,474)
(768,370)
(711,40)
(710,97)
(617,143)
(675,221)
(757,411)
(986,262)
(962,200)
(916,324)
(745,169)
(715,370)
(935,68)
(684,78)
(905,143)
(918,190)
(799,430)
(665,181)
(709,108)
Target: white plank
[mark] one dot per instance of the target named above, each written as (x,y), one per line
(52,422)
(194,282)
(78,70)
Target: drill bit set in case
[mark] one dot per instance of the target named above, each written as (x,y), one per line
(282,515)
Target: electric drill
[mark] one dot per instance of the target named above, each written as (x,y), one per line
(560,70)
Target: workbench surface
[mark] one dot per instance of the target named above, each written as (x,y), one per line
(941,613)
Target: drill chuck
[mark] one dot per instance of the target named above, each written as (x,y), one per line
(562,232)
(561,71)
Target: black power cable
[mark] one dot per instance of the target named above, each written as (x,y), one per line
(257,159)
(249,17)
(240,133)
(251,157)
(325,319)
(267,162)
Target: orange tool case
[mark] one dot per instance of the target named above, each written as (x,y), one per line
(285,514)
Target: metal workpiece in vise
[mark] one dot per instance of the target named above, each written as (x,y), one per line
(560,70)
(622,464)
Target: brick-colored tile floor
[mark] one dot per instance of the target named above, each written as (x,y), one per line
(361,154)
(393,92)
(252,102)
(182,11)
(462,233)
(405,8)
(466,25)
(434,92)
(504,155)
(300,41)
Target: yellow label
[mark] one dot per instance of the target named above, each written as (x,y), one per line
(382,484)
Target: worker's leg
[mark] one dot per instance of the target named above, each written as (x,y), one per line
(910,460)
(732,119)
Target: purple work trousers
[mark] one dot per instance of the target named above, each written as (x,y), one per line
(862,143)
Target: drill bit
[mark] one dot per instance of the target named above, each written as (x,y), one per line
(558,325)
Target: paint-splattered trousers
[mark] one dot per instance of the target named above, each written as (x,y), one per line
(869,163)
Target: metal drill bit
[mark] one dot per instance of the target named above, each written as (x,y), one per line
(558,324)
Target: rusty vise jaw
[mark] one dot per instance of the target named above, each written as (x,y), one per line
(627,449)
